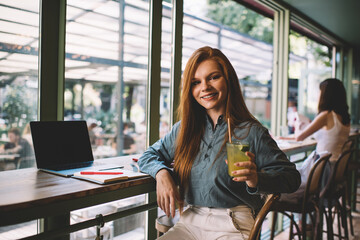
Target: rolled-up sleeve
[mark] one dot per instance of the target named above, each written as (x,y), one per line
(161,154)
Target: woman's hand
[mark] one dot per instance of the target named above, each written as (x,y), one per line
(166,192)
(249,173)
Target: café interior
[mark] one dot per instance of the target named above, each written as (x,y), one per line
(117,64)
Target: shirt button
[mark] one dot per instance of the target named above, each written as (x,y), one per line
(206,156)
(210,146)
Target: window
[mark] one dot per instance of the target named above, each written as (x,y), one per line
(309,64)
(19,42)
(106,72)
(106,85)
(244,36)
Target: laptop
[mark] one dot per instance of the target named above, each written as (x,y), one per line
(62,147)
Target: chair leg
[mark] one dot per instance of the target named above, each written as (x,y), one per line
(348,212)
(339,220)
(329,222)
(343,216)
(345,225)
(291,234)
(319,221)
(349,191)
(273,223)
(303,225)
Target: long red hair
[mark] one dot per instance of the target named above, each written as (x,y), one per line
(193,115)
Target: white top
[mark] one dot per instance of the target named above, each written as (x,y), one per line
(332,140)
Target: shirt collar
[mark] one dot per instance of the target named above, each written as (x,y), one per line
(219,121)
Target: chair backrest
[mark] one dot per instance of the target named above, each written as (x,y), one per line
(313,185)
(337,175)
(349,144)
(340,167)
(255,231)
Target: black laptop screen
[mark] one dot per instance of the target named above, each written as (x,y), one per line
(61,143)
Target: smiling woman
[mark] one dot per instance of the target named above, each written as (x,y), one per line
(210,93)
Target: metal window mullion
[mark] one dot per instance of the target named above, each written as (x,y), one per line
(275,74)
(120,85)
(349,77)
(153,97)
(334,64)
(280,71)
(52,60)
(176,57)
(340,67)
(284,68)
(154,72)
(51,80)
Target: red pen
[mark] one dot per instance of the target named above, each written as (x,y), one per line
(100,173)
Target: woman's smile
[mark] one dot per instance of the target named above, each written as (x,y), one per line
(209,97)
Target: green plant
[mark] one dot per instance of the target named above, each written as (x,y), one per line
(240,18)
(18,108)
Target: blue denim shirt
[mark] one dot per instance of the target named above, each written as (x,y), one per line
(210,185)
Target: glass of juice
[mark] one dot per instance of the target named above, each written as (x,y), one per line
(236,153)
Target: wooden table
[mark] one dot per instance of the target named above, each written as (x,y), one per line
(290,147)
(293,147)
(28,194)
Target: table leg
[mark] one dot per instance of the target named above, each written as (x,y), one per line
(151,216)
(51,223)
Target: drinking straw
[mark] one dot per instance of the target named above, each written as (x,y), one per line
(228,122)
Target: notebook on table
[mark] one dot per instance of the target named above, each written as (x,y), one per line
(109,176)
(62,147)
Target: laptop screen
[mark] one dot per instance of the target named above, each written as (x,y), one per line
(61,144)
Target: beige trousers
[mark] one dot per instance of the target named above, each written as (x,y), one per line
(202,223)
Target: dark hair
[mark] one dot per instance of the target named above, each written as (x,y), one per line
(15,131)
(333,98)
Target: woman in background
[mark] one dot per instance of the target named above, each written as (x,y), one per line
(330,128)
(221,207)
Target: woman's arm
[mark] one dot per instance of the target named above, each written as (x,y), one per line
(275,173)
(156,161)
(319,122)
(160,155)
(166,192)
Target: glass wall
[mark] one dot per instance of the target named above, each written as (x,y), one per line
(106,72)
(309,64)
(106,77)
(19,43)
(244,36)
(106,85)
